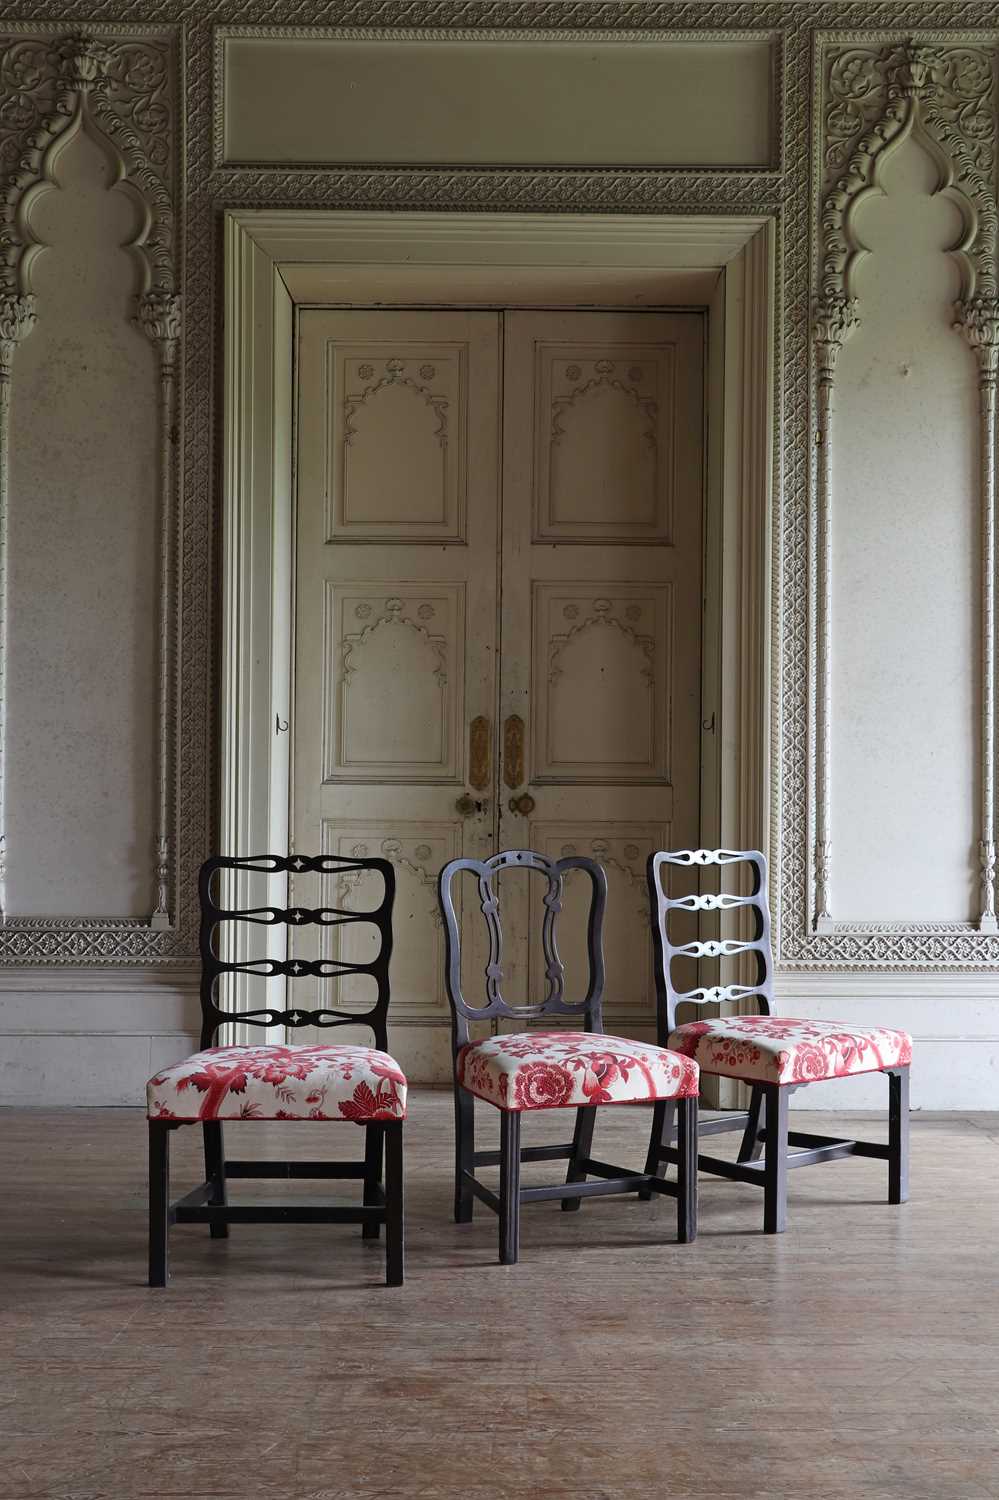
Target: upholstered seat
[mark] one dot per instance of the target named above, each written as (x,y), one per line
(561,1069)
(777,1049)
(298,1082)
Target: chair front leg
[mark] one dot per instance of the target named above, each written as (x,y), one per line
(898,1135)
(464,1153)
(215,1173)
(159,1202)
(374,1141)
(582,1144)
(686,1183)
(775,1160)
(663,1123)
(395,1214)
(509,1214)
(752,1146)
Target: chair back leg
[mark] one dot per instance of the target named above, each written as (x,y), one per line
(509,1194)
(582,1145)
(775,1160)
(898,1135)
(374,1140)
(663,1125)
(464,1154)
(751,1148)
(215,1174)
(395,1213)
(159,1202)
(686,1182)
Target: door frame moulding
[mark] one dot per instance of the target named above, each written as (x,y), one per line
(270,252)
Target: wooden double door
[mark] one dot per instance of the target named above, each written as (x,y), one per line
(498,623)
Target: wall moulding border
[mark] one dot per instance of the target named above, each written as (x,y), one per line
(876,90)
(121,86)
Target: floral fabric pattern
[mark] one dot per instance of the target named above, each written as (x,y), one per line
(280,1083)
(563,1069)
(776,1049)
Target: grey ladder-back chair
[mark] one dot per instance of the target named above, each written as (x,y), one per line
(552,1069)
(773,1054)
(318,1082)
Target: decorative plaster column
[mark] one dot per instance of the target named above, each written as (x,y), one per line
(158,315)
(978,320)
(17,319)
(835,318)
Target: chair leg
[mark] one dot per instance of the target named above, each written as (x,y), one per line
(752,1146)
(775,1167)
(582,1143)
(159,1201)
(663,1122)
(395,1216)
(686,1184)
(898,1136)
(215,1173)
(464,1153)
(374,1140)
(509,1214)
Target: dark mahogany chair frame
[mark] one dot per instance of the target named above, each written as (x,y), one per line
(765,1123)
(207,1203)
(611,1179)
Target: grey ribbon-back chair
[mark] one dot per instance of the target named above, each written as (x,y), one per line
(773,1054)
(577,1068)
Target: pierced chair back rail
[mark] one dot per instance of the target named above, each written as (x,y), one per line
(494,1005)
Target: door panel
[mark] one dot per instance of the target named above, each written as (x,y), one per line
(396,593)
(601,612)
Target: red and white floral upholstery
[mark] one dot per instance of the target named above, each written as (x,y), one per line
(776,1049)
(280,1083)
(562,1069)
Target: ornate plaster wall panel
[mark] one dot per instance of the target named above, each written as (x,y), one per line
(393,683)
(791,191)
(622,849)
(604,432)
(396,446)
(118,92)
(878,92)
(492,96)
(417,851)
(601,682)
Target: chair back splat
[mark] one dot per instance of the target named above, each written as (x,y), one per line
(658,870)
(213,966)
(554,1002)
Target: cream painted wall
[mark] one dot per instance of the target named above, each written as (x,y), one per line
(905,619)
(83,536)
(81,714)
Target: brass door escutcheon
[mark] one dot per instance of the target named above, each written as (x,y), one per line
(467,806)
(524,804)
(479,753)
(513,751)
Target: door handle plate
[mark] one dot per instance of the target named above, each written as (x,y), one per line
(479,753)
(513,751)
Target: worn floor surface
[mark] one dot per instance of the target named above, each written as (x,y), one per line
(857,1355)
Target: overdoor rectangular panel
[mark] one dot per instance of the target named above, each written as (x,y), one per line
(417,851)
(601,682)
(622,849)
(605,442)
(393,682)
(396,441)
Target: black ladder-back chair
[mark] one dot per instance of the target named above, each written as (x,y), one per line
(611,1179)
(208,1203)
(765,1124)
